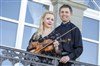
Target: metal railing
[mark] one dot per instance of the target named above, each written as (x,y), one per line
(26,58)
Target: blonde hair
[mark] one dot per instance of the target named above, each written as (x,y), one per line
(41,26)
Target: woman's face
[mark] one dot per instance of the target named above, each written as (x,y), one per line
(48,20)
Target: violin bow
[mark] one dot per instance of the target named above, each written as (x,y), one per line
(56,39)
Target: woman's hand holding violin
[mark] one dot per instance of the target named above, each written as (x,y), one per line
(56,43)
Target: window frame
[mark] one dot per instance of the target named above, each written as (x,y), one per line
(93,14)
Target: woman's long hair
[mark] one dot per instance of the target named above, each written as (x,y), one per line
(41,26)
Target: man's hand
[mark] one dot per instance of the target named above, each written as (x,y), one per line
(64,59)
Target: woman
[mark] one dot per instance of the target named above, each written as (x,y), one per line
(45,28)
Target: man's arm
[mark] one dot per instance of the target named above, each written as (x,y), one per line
(77,46)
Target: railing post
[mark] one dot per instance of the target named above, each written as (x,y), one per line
(55,62)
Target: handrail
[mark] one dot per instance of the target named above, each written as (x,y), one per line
(18,55)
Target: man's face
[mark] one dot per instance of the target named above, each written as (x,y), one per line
(65,14)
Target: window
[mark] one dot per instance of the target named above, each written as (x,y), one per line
(8,33)
(34,12)
(10,9)
(90,28)
(90,33)
(90,52)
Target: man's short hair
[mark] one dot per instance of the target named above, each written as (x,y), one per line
(66,6)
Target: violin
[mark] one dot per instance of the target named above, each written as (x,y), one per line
(46,45)
(39,45)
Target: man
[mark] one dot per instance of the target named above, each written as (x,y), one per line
(72,48)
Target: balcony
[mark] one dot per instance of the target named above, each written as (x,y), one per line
(26,58)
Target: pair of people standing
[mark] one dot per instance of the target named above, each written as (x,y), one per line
(69,50)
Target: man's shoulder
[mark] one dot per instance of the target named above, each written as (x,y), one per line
(72,24)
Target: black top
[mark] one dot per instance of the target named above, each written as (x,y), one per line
(73,46)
